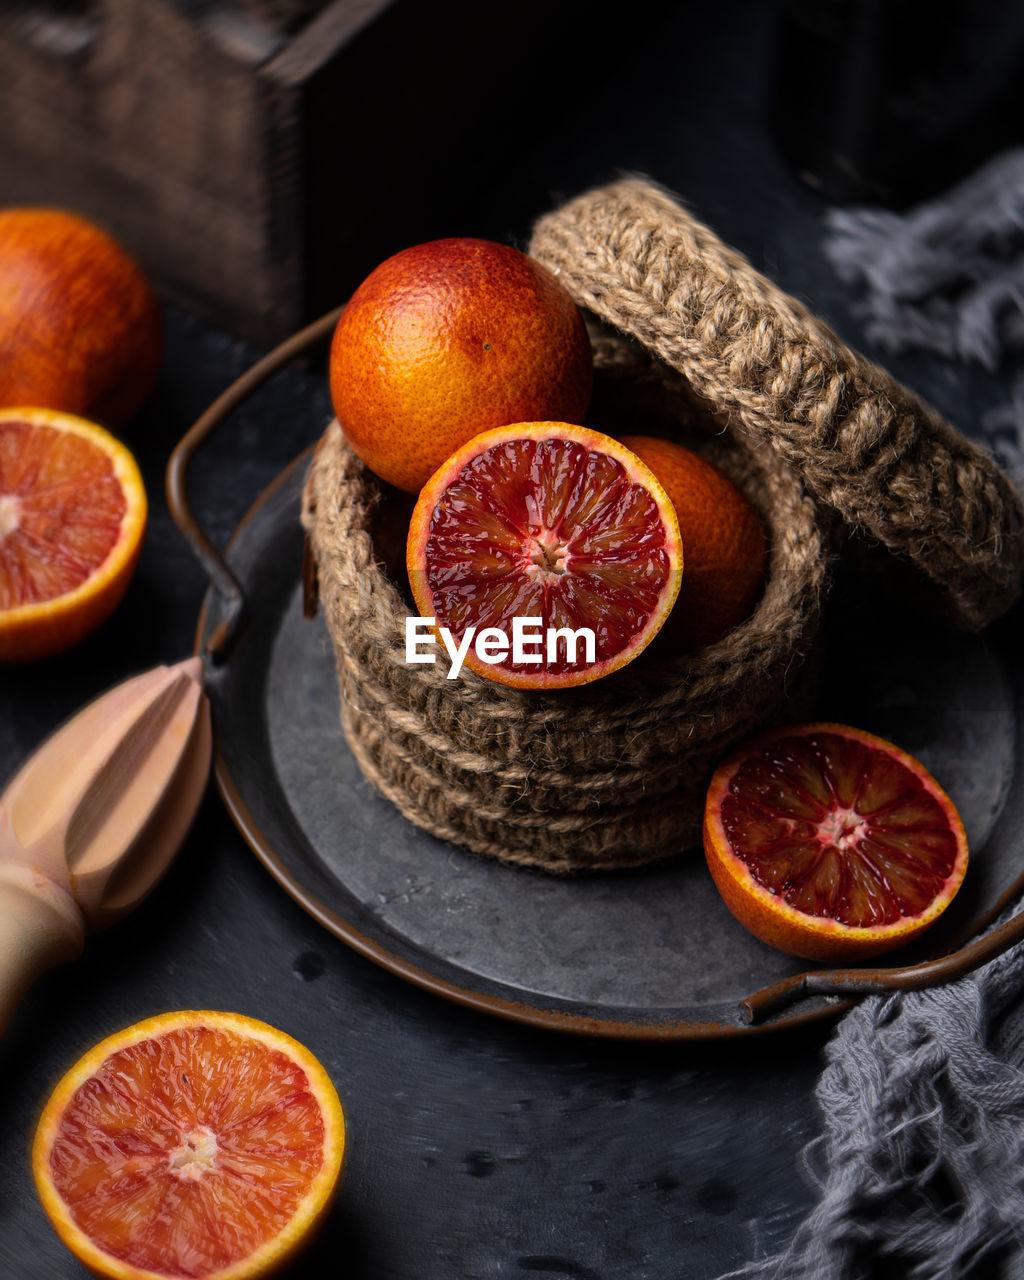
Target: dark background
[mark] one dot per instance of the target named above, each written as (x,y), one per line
(477,1148)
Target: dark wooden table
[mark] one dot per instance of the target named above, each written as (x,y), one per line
(478,1148)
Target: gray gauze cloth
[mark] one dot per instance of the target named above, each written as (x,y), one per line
(920,1168)
(947,278)
(922,1159)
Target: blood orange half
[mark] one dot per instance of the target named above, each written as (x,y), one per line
(198,1144)
(72,519)
(554,523)
(831,844)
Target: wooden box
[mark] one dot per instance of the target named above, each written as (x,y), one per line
(260,156)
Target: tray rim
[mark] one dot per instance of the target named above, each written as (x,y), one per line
(767,1010)
(771,1009)
(525,1012)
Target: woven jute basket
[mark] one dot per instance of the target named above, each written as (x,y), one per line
(689,339)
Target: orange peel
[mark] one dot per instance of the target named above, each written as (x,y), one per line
(830,843)
(197,1144)
(72,518)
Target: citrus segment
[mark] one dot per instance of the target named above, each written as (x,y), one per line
(72,517)
(447,339)
(550,522)
(195,1144)
(830,843)
(726,548)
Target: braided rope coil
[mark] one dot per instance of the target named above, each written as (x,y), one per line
(604,776)
(613,774)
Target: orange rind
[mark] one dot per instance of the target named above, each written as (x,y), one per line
(72,519)
(447,339)
(725,543)
(830,843)
(196,1144)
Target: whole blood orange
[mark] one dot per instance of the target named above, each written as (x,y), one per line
(830,843)
(193,1144)
(80,329)
(723,539)
(549,522)
(72,518)
(448,339)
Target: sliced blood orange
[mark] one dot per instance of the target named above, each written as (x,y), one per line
(830,843)
(551,522)
(72,518)
(193,1144)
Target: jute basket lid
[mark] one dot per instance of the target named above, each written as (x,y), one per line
(762,363)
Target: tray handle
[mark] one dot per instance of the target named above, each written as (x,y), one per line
(224,635)
(763,1004)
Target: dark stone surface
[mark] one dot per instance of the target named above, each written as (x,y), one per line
(478,1148)
(651,948)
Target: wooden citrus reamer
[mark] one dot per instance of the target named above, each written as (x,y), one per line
(93,818)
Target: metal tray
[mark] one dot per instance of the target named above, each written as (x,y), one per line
(652,954)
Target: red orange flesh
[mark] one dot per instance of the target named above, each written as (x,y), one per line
(199,1144)
(830,843)
(551,521)
(72,518)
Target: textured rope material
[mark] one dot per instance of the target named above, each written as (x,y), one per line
(605,776)
(613,774)
(865,445)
